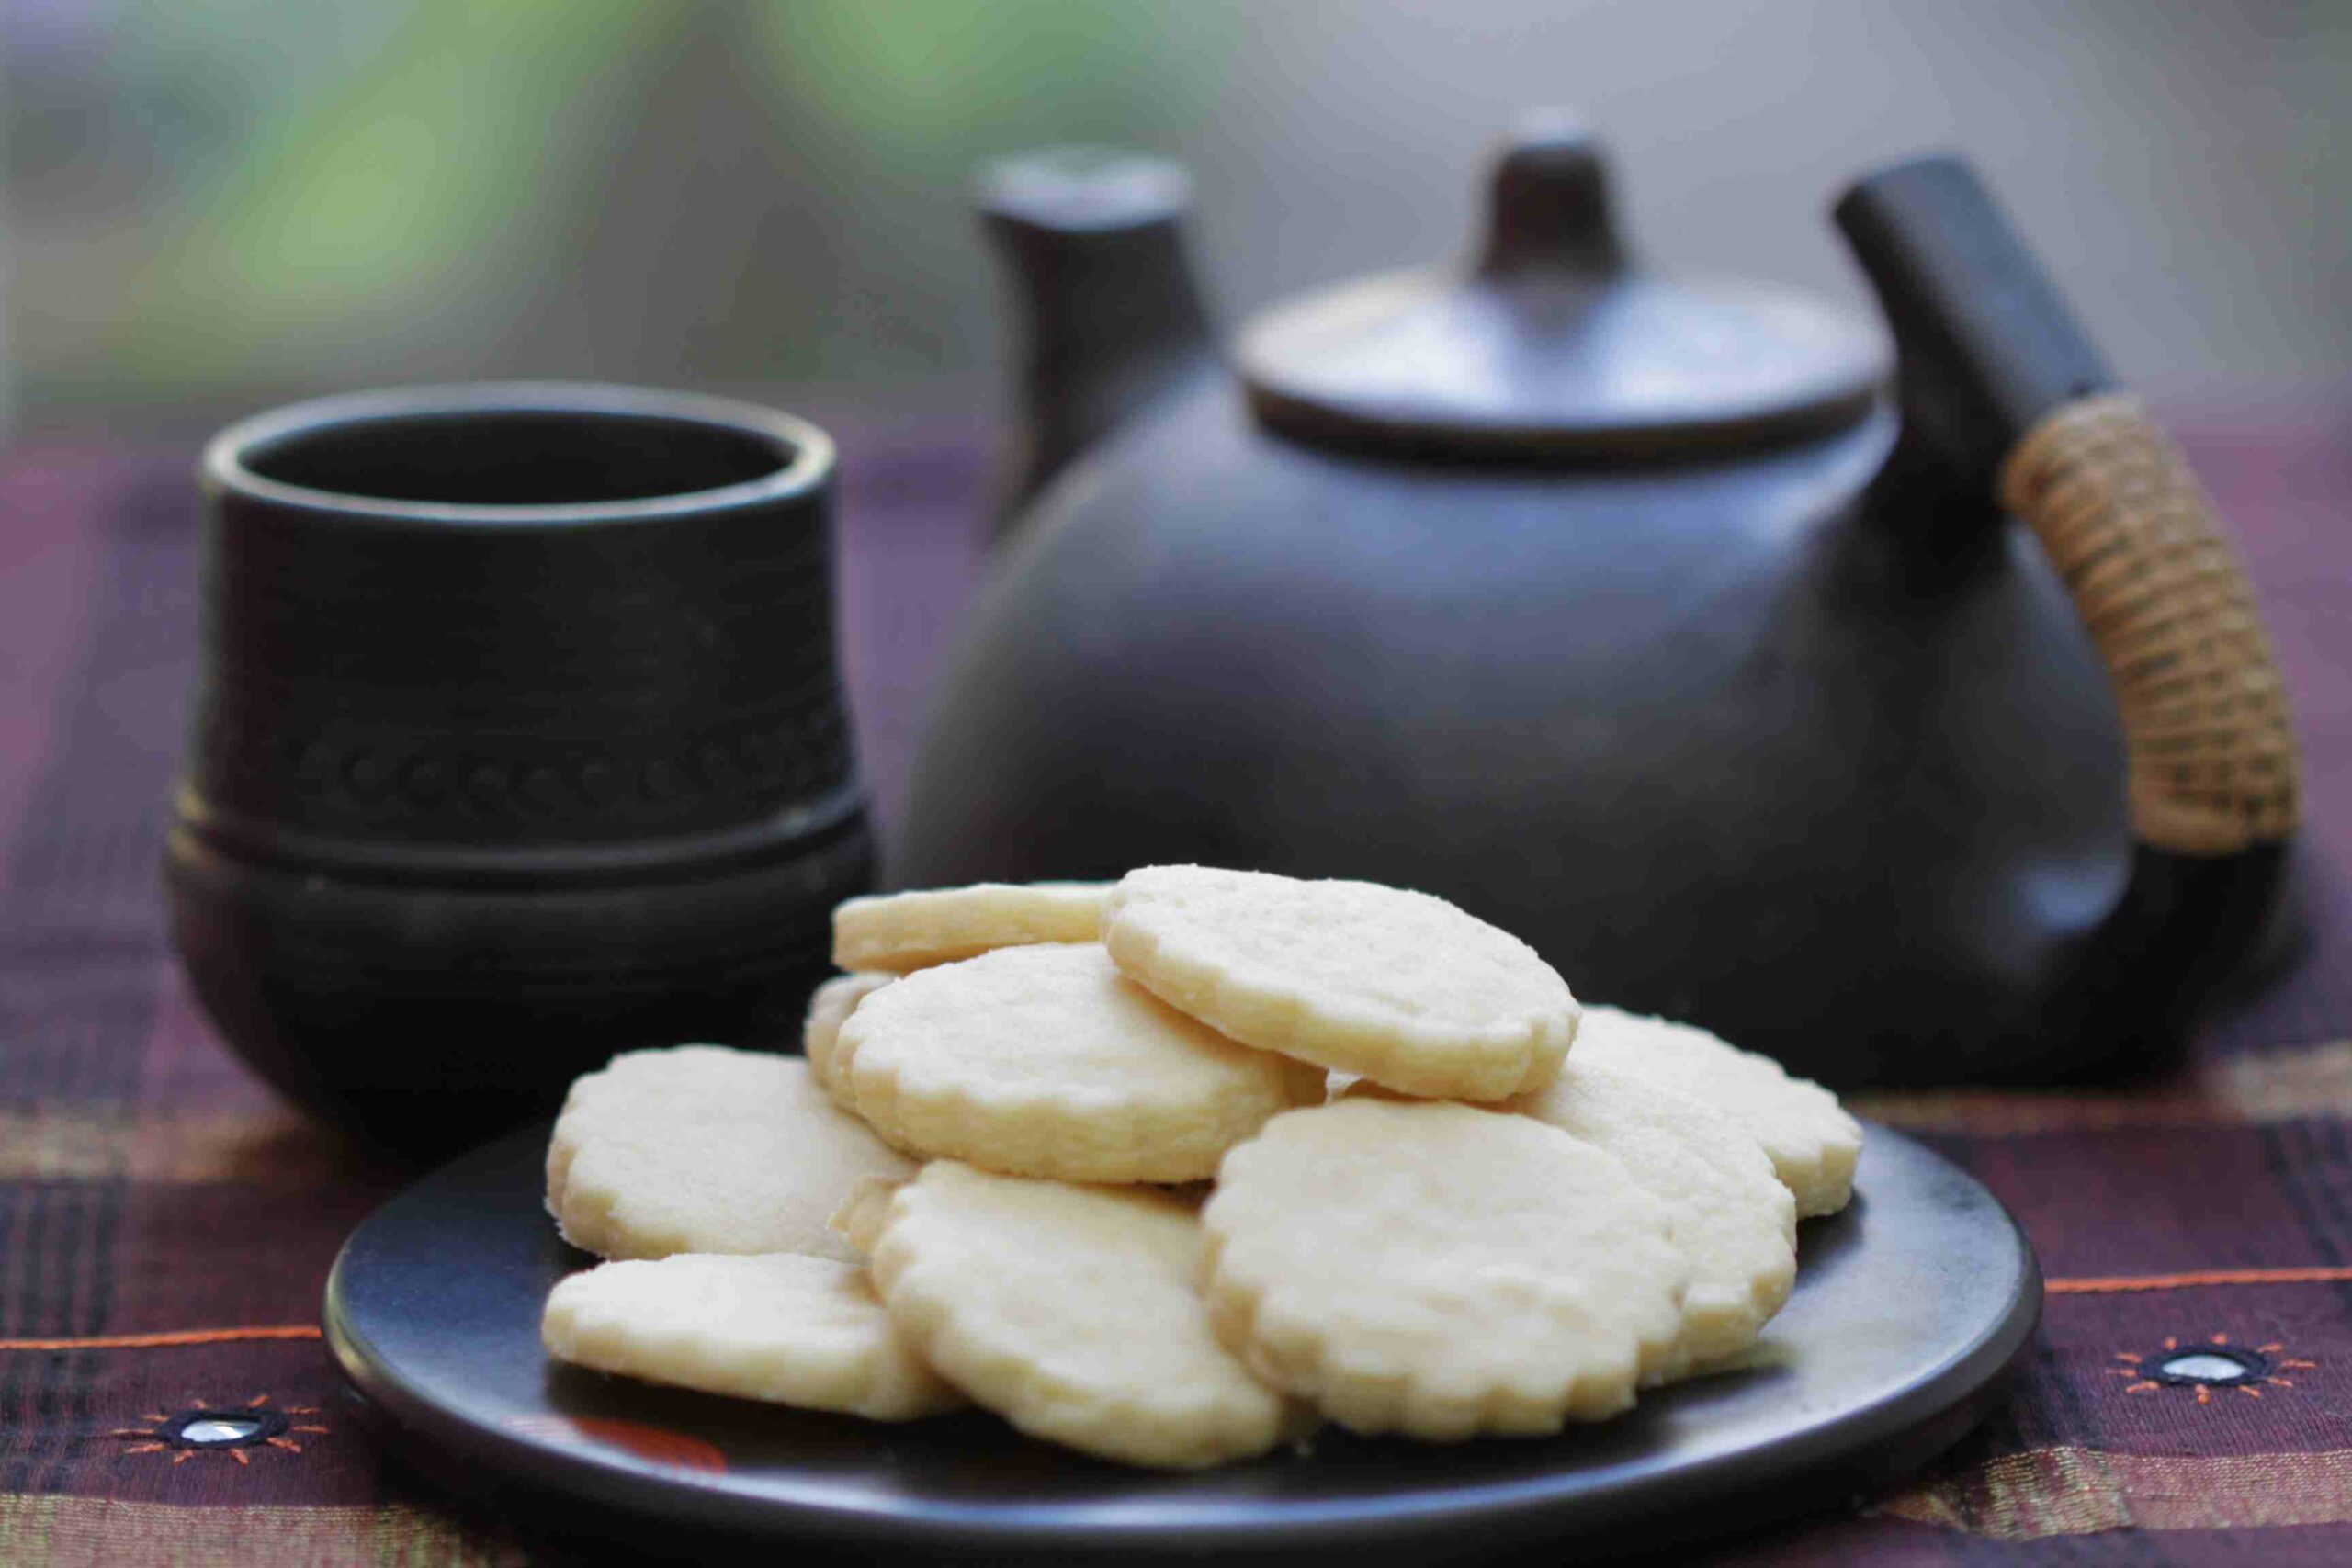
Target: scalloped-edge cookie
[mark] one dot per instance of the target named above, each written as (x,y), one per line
(701,1148)
(1813,1144)
(830,1006)
(900,933)
(1047,1062)
(1440,1270)
(1400,987)
(781,1327)
(1735,1221)
(1073,1311)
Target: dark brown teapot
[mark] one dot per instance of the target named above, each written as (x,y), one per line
(1649,619)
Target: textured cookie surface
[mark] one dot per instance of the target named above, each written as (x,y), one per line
(699,1149)
(1735,1221)
(1045,1061)
(783,1328)
(1073,1311)
(1813,1144)
(1400,987)
(828,1004)
(1440,1270)
(905,931)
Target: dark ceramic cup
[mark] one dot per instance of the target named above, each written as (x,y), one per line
(518,741)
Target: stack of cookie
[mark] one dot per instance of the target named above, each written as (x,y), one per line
(1430,1216)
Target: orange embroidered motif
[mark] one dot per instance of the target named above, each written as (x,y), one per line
(205,1427)
(2204,1366)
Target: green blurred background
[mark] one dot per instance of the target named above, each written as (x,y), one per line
(215,204)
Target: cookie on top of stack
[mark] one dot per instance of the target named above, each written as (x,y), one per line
(1448,1201)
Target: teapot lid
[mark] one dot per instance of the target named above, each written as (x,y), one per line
(1554,346)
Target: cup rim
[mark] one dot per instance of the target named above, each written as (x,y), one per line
(224,468)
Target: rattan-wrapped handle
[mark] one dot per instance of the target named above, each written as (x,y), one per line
(2005,396)
(2212,761)
(2003,387)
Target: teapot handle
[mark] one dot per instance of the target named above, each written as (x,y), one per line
(2211,752)
(2011,393)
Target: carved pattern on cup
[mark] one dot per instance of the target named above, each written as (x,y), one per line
(775,760)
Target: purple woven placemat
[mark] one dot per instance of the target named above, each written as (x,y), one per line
(165,1226)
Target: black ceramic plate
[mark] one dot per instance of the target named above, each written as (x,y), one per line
(1907,1309)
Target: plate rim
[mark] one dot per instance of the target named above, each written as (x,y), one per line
(1952,1385)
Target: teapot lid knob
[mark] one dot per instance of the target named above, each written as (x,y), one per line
(1548,203)
(1552,347)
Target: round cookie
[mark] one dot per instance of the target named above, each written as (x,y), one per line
(1813,1144)
(1046,1061)
(699,1149)
(781,1327)
(828,1005)
(1399,987)
(1735,1221)
(1440,1271)
(1073,1311)
(900,933)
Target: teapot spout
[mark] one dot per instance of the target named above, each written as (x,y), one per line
(1109,317)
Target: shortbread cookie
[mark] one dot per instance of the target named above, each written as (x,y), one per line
(1812,1142)
(1401,987)
(904,931)
(1073,1311)
(1735,1221)
(1046,1061)
(781,1327)
(828,1004)
(1440,1271)
(700,1148)
(858,1220)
